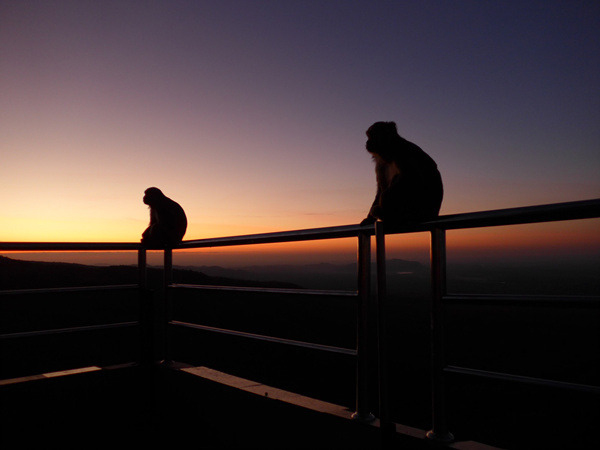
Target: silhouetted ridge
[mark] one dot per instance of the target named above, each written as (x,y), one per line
(19,274)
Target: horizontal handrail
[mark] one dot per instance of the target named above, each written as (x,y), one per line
(69,246)
(310,234)
(585,209)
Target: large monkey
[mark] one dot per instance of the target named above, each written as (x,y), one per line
(167,220)
(409,185)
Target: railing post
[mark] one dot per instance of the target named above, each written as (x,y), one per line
(168,267)
(362,412)
(146,312)
(439,431)
(142,273)
(386,423)
(166,306)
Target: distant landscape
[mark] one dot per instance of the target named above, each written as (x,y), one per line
(552,278)
(570,277)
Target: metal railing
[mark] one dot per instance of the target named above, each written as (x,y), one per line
(139,289)
(440,297)
(362,295)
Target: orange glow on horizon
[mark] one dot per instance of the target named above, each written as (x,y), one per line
(555,234)
(550,239)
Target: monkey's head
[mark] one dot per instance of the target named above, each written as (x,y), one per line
(152,196)
(383,139)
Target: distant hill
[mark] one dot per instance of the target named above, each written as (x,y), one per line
(313,276)
(18,274)
(393,265)
(404,277)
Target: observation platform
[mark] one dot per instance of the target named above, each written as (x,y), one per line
(178,405)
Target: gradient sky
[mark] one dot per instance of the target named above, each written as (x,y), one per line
(251,114)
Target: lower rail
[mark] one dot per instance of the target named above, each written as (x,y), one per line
(313,346)
(522,299)
(331,293)
(24,334)
(61,290)
(523,379)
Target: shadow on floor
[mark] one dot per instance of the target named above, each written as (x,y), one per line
(133,407)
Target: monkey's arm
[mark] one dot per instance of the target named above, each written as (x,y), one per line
(374,211)
(389,200)
(146,231)
(153,221)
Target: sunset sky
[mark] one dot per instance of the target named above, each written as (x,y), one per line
(252,114)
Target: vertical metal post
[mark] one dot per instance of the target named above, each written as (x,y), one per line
(145,311)
(439,431)
(362,412)
(168,266)
(142,274)
(384,413)
(166,310)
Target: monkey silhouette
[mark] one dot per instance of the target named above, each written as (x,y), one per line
(168,221)
(409,184)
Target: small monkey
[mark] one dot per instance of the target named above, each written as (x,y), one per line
(409,185)
(168,222)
